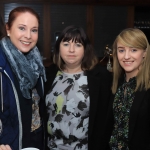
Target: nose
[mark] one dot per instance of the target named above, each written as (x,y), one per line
(28,34)
(127,54)
(71,48)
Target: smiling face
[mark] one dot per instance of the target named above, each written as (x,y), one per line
(130,59)
(24,32)
(72,53)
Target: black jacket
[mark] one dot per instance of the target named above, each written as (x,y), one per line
(139,122)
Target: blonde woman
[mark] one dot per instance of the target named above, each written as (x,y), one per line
(128,124)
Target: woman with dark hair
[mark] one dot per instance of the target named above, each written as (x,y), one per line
(21,83)
(77,93)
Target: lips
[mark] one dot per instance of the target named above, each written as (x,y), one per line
(26,43)
(127,63)
(71,55)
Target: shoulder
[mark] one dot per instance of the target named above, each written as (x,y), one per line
(51,72)
(2,57)
(4,64)
(51,69)
(100,70)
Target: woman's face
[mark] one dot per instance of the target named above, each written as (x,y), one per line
(24,32)
(72,53)
(130,59)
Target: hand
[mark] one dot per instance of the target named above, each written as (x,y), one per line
(5,147)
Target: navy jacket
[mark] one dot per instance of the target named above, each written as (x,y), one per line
(15,110)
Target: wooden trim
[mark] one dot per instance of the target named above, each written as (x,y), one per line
(85,2)
(46,34)
(130,17)
(2,10)
(90,23)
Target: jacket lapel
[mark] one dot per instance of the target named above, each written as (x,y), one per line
(50,75)
(93,84)
(134,111)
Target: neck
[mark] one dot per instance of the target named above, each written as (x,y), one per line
(129,76)
(69,69)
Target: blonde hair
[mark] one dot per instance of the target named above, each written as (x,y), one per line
(132,38)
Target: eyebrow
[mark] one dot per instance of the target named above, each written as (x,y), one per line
(26,25)
(22,24)
(120,47)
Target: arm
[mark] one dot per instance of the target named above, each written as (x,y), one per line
(103,122)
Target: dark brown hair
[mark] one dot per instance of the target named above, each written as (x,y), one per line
(76,34)
(16,11)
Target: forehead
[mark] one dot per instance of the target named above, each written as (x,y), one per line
(119,44)
(26,18)
(123,44)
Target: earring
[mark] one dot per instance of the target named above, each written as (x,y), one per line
(8,34)
(109,65)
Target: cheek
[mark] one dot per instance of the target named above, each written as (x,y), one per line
(120,61)
(81,53)
(14,39)
(119,57)
(140,59)
(13,35)
(61,52)
(35,38)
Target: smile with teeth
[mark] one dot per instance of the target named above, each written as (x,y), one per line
(128,62)
(26,43)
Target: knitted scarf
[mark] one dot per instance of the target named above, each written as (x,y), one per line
(27,67)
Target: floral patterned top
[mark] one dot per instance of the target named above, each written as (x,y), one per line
(121,108)
(68,108)
(36,119)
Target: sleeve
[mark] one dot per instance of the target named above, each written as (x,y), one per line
(104,119)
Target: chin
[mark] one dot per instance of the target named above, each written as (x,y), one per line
(24,51)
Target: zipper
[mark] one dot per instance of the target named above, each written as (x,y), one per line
(1,91)
(42,85)
(18,109)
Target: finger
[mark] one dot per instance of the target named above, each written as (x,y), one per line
(8,147)
(5,147)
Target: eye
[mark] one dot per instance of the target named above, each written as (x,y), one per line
(78,44)
(65,43)
(22,28)
(133,50)
(35,30)
(120,50)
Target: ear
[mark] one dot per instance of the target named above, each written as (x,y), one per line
(7,30)
(144,54)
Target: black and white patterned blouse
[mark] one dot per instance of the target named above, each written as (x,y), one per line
(68,108)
